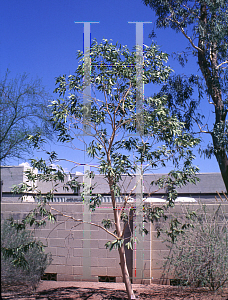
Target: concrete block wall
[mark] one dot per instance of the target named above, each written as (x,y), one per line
(67,244)
(75,258)
(159,249)
(142,257)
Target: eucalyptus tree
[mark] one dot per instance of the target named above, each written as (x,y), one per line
(204,23)
(113,141)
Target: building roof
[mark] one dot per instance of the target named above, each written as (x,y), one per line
(209,183)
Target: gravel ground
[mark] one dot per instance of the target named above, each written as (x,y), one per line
(65,290)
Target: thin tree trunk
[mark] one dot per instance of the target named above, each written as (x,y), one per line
(123,262)
(125,273)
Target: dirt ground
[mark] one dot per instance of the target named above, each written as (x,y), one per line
(62,290)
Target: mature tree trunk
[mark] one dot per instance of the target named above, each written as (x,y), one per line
(123,262)
(222,160)
(208,66)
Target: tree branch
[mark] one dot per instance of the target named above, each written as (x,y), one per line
(81,221)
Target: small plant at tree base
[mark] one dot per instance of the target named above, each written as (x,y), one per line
(25,262)
(199,255)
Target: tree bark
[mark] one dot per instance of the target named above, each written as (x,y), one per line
(222,160)
(123,262)
(208,65)
(125,273)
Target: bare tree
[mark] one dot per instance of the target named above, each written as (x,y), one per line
(23,112)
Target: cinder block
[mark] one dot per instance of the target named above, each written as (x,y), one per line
(63,269)
(157,263)
(73,261)
(113,254)
(86,236)
(98,271)
(102,242)
(93,228)
(146,281)
(73,208)
(146,263)
(51,234)
(23,207)
(51,269)
(107,262)
(70,251)
(56,225)
(99,253)
(52,250)
(158,254)
(114,271)
(77,252)
(158,275)
(71,242)
(136,280)
(70,225)
(67,208)
(76,244)
(62,234)
(65,277)
(59,260)
(164,281)
(98,235)
(94,262)
(45,233)
(94,243)
(144,253)
(86,245)
(146,274)
(55,242)
(78,234)
(91,278)
(61,218)
(78,270)
(98,217)
(158,245)
(62,251)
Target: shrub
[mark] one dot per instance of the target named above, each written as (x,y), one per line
(199,255)
(15,270)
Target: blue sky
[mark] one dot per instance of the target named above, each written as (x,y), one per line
(40,37)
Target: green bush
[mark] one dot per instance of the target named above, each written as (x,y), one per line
(24,265)
(199,256)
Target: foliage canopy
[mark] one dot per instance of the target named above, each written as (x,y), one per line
(113,142)
(205,25)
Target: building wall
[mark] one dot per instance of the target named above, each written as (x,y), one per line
(76,259)
(79,252)
(67,243)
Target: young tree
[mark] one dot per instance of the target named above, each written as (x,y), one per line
(113,142)
(205,25)
(23,112)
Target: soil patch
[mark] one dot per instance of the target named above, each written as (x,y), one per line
(53,290)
